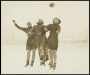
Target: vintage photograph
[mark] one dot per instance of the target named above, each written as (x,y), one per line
(44,37)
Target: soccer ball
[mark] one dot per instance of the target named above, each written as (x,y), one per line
(51,5)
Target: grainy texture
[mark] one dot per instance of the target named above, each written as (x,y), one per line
(53,37)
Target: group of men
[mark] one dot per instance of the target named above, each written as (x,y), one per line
(37,39)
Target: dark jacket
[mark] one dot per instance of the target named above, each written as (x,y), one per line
(30,41)
(40,35)
(53,37)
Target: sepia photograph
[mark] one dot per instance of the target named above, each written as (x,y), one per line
(44,37)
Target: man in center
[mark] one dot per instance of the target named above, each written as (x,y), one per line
(41,41)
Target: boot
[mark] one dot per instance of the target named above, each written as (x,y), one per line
(47,58)
(27,63)
(51,65)
(54,66)
(42,57)
(42,63)
(32,63)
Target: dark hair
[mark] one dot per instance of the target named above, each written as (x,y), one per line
(40,21)
(58,20)
(29,23)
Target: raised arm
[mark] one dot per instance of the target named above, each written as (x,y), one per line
(18,25)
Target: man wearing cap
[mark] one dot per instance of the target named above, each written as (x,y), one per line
(41,40)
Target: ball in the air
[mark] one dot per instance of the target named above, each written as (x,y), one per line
(51,5)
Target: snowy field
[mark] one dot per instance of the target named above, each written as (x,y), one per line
(71,59)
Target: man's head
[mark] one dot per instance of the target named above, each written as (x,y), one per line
(29,24)
(40,21)
(56,21)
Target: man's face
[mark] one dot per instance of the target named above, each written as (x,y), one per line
(29,24)
(55,21)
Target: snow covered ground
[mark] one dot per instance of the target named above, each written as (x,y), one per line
(71,59)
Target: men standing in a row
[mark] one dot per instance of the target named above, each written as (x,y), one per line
(37,39)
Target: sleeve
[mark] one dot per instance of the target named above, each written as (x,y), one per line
(21,28)
(47,28)
(58,30)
